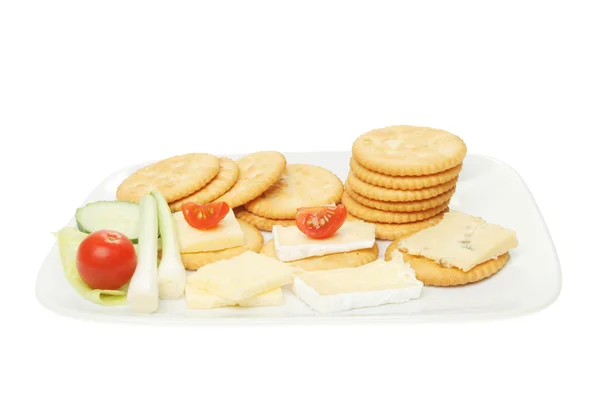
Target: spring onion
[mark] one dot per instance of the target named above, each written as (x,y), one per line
(142,295)
(172,276)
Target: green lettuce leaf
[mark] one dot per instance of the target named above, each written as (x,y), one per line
(69,239)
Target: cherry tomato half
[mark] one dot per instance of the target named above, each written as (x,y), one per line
(321,222)
(106,259)
(204,216)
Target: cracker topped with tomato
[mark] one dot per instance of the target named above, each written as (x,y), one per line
(322,231)
(207,227)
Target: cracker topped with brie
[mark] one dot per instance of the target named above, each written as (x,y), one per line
(291,244)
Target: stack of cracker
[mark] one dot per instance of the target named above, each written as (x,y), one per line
(402,178)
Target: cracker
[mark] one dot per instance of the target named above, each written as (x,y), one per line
(174,177)
(432,274)
(262,223)
(257,172)
(404,150)
(228,174)
(389,217)
(384,194)
(349,259)
(301,185)
(253,242)
(403,182)
(402,206)
(393,231)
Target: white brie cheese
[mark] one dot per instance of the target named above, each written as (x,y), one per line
(292,244)
(374,284)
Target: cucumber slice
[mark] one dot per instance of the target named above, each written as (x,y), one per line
(121,216)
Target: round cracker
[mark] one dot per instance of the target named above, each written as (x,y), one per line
(257,172)
(174,177)
(262,223)
(404,150)
(349,259)
(228,174)
(433,274)
(301,185)
(402,206)
(378,193)
(253,241)
(393,231)
(389,217)
(403,182)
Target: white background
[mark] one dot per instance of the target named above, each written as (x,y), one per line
(89,87)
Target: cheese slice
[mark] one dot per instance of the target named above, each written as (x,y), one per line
(377,283)
(273,297)
(201,299)
(242,276)
(292,244)
(226,234)
(460,240)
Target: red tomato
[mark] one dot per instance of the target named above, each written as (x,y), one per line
(204,216)
(106,260)
(321,222)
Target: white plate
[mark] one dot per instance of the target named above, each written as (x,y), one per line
(530,281)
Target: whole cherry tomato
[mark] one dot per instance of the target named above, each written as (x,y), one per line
(106,259)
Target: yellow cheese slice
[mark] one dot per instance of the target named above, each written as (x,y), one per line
(226,234)
(201,299)
(242,276)
(273,297)
(460,240)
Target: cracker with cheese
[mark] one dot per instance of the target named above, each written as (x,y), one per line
(347,259)
(292,244)
(253,241)
(460,249)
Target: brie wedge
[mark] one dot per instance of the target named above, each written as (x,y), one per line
(374,284)
(292,244)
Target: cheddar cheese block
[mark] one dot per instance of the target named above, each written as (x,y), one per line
(225,235)
(241,277)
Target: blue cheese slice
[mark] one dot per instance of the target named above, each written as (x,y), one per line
(292,244)
(377,283)
(460,240)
